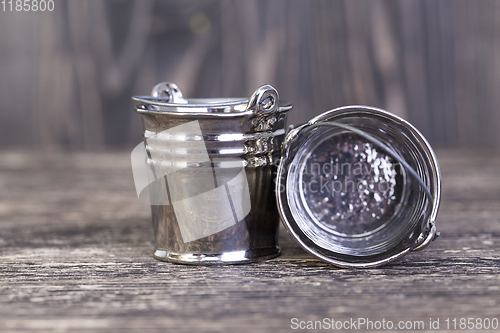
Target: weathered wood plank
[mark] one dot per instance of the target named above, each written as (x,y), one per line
(66,77)
(75,255)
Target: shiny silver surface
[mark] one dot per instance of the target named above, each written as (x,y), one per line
(238,133)
(407,223)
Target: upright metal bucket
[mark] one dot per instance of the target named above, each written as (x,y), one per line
(211,166)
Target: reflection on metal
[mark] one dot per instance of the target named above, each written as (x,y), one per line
(222,200)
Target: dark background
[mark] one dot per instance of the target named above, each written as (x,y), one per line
(66,77)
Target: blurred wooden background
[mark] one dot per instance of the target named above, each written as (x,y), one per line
(66,76)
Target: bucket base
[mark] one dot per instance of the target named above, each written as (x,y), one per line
(235,257)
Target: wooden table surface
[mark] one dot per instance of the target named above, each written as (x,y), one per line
(75,255)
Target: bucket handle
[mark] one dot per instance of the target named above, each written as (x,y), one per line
(264,104)
(168,91)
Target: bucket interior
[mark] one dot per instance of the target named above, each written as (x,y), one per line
(349,197)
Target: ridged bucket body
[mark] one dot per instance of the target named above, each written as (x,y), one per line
(218,167)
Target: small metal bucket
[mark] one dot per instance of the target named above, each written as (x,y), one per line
(211,165)
(358,187)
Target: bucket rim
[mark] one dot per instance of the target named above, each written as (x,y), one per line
(220,107)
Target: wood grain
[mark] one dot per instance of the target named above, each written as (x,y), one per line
(75,256)
(66,77)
